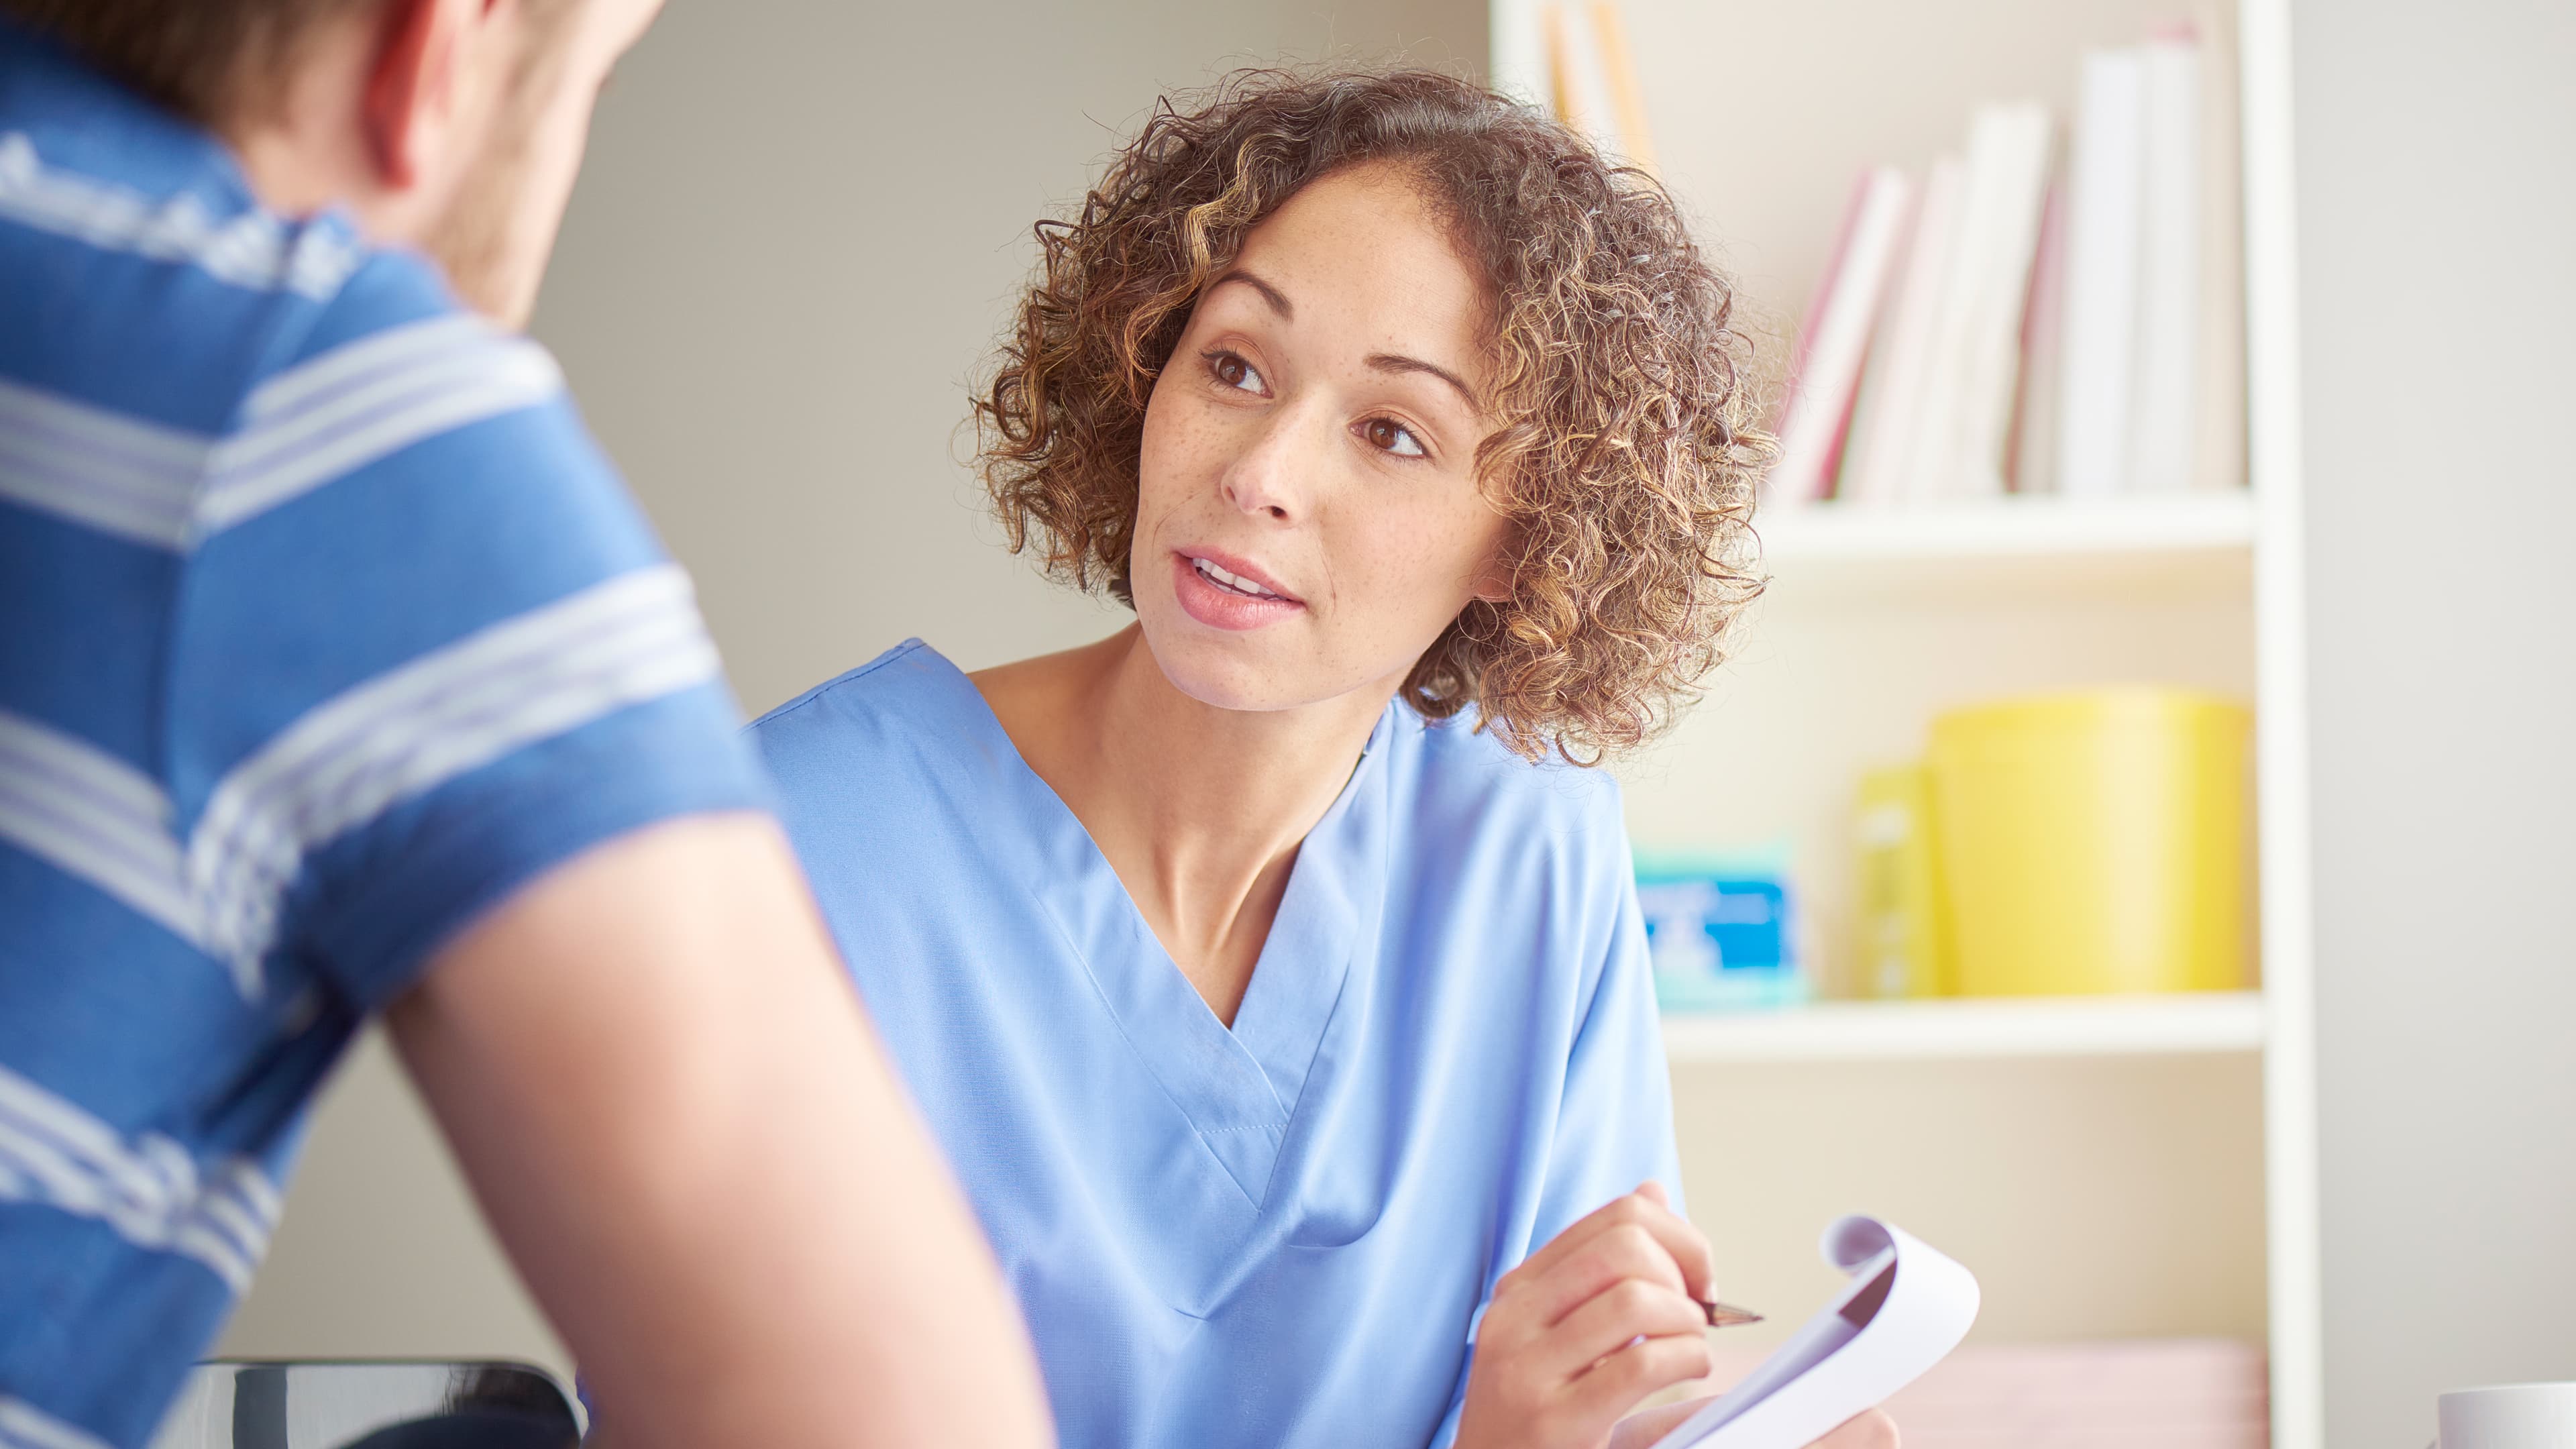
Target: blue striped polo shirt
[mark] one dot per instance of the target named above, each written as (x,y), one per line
(324,626)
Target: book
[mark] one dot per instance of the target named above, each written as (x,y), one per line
(1884,453)
(2163,423)
(1902,1311)
(2032,467)
(1824,378)
(1578,84)
(2219,460)
(2105,192)
(2008,158)
(1619,69)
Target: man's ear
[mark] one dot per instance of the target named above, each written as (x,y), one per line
(414,85)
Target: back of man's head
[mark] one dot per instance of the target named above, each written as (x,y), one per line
(451,125)
(205,59)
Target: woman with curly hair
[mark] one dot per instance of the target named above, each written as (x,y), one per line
(1272,969)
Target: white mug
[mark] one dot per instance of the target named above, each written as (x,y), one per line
(2510,1416)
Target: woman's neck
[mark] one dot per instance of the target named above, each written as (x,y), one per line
(1199,810)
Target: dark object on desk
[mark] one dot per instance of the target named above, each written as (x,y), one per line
(370,1405)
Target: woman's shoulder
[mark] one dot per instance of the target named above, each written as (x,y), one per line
(1535,851)
(907,695)
(1459,772)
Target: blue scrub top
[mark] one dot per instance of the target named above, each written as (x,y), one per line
(1277,1235)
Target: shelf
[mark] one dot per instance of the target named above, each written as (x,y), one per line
(1958,1028)
(2193,544)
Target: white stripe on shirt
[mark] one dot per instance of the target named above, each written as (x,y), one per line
(452,710)
(24,1426)
(374,355)
(95,817)
(400,735)
(97,468)
(472,377)
(149,1190)
(309,426)
(250,249)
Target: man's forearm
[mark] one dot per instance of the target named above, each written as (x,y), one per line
(663,1090)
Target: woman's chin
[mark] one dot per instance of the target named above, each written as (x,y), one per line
(1226,670)
(1226,683)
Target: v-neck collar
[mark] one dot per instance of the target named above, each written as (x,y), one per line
(1239,1088)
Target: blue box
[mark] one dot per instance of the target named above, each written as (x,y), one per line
(1721,931)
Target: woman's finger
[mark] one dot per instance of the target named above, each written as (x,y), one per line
(1529,1308)
(1616,1384)
(1624,1254)
(1688,1245)
(1612,1319)
(1681,1242)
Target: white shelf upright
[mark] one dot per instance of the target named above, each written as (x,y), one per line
(2281,726)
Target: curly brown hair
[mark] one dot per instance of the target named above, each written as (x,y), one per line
(1624,452)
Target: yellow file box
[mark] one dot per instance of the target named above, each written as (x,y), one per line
(2096,842)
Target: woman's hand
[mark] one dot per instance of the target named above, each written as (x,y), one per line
(1592,1323)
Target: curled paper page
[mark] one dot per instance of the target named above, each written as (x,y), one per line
(1905,1308)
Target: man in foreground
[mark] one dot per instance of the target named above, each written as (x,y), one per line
(338,674)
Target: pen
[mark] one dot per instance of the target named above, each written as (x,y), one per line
(1722,1316)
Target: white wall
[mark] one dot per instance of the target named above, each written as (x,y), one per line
(2437,212)
(799,227)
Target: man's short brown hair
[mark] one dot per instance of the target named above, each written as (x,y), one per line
(215,62)
(205,59)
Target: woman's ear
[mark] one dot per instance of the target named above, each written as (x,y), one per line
(416,85)
(1493,581)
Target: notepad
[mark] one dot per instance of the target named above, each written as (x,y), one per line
(1904,1309)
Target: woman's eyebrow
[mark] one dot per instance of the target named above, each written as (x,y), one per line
(1398,362)
(1382,361)
(1277,299)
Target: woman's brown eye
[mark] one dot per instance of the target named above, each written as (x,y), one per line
(1393,437)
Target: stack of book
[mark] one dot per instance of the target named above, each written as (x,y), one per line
(2008,322)
(1592,78)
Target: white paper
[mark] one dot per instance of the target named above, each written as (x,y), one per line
(1905,1308)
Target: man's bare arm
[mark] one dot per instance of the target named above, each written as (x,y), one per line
(668,1101)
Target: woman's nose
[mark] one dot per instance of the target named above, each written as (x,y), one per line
(1270,475)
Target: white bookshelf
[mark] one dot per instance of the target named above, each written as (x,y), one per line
(1877,620)
(2198,544)
(1967,1028)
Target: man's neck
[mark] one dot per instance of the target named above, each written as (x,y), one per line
(305,149)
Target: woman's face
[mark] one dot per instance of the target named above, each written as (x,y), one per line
(1308,519)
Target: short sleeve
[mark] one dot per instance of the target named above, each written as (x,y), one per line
(1614,1129)
(424,648)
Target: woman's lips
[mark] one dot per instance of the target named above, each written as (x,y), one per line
(1226,593)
